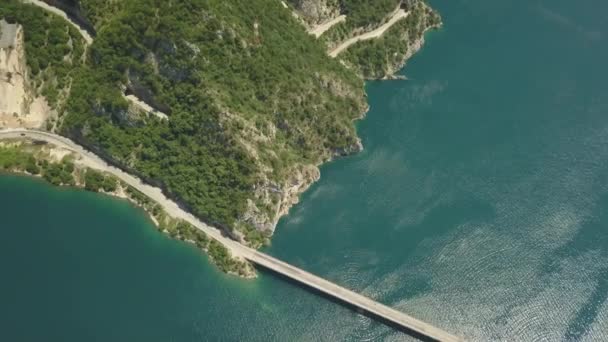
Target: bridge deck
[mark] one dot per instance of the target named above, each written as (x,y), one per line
(364,303)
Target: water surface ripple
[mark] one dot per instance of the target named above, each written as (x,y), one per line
(480,204)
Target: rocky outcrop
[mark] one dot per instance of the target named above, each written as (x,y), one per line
(279,197)
(19,106)
(315,12)
(12,71)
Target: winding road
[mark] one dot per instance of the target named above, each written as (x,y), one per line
(399,14)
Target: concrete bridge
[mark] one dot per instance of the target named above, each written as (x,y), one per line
(373,308)
(387,314)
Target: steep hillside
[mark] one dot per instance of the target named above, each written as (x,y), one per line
(247,103)
(360,13)
(383,57)
(378,58)
(74,12)
(39,54)
(254,104)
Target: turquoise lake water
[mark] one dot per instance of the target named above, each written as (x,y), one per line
(480,204)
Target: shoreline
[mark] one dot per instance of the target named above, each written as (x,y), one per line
(391,75)
(413,49)
(304,175)
(169,219)
(121,196)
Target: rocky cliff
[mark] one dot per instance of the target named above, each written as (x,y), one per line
(19,107)
(316,11)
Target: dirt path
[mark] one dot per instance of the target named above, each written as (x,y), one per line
(318,30)
(146,107)
(400,14)
(85,35)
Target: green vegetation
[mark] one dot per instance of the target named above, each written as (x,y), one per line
(20,159)
(362,13)
(138,197)
(221,256)
(246,73)
(251,97)
(184,231)
(99,12)
(95,181)
(377,58)
(14,158)
(58,173)
(256,238)
(53,48)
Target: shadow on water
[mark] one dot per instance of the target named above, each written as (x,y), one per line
(589,312)
(340,302)
(590,237)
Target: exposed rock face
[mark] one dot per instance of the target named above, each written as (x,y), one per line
(285,196)
(11,70)
(299,182)
(19,107)
(316,11)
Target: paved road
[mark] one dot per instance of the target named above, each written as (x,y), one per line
(91,160)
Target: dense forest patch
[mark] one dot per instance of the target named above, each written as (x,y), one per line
(252,98)
(249,93)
